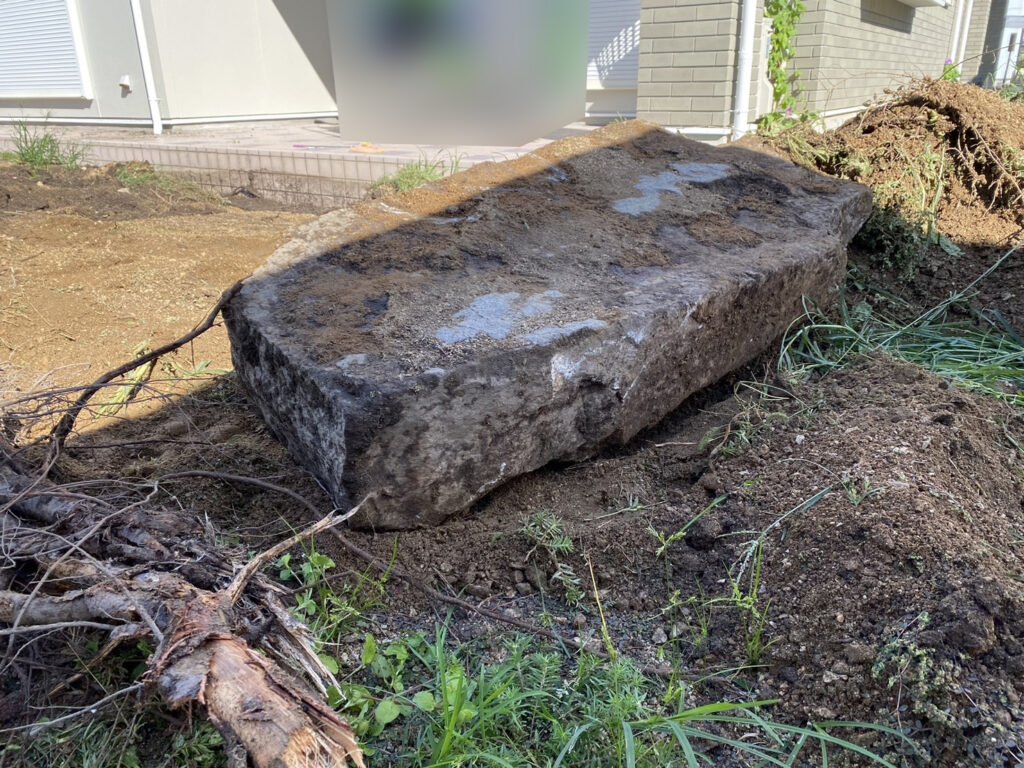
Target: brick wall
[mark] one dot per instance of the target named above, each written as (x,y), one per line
(688,62)
(983,38)
(849,51)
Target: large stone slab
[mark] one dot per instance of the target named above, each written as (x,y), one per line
(431,347)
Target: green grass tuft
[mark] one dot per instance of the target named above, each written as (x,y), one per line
(521,704)
(412,176)
(40,149)
(984,354)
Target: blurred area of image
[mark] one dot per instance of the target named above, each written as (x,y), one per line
(458,71)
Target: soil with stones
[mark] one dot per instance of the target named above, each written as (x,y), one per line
(892,556)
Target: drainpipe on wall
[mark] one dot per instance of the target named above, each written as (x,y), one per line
(965,28)
(147,68)
(744,69)
(954,45)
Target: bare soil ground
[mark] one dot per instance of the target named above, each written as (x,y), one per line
(91,273)
(891,504)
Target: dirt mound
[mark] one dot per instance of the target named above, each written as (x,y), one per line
(932,146)
(887,504)
(946,164)
(122,191)
(890,577)
(981,133)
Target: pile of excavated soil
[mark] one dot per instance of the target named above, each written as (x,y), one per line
(937,148)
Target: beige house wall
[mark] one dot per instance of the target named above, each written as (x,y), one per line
(983,39)
(111,51)
(851,50)
(688,62)
(240,57)
(847,53)
(229,58)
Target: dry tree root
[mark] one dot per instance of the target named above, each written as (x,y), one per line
(66,424)
(138,570)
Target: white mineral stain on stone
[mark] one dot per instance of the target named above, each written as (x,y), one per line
(651,187)
(349,360)
(635,336)
(702,173)
(496,315)
(554,333)
(563,368)
(453,219)
(491,483)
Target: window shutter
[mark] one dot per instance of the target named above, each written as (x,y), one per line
(40,50)
(614,49)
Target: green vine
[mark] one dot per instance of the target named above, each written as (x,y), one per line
(784,15)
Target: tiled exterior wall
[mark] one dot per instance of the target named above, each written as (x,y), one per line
(688,62)
(983,37)
(849,51)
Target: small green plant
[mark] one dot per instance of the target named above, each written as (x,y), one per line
(694,612)
(135,380)
(134,175)
(892,241)
(950,72)
(413,176)
(1013,89)
(202,370)
(328,611)
(143,177)
(858,493)
(753,613)
(545,532)
(767,406)
(665,542)
(921,679)
(202,747)
(40,149)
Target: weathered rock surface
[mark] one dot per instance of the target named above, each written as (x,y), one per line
(433,346)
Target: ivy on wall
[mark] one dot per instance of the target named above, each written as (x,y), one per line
(784,16)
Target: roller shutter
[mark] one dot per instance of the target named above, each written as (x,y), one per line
(614,49)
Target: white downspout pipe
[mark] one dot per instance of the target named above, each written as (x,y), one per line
(744,70)
(147,68)
(954,46)
(965,28)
